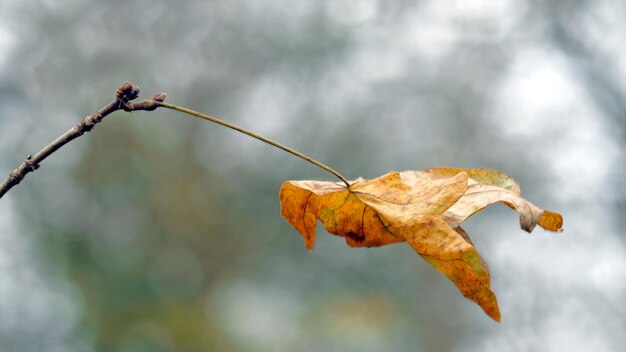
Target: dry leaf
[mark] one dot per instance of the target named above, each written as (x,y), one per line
(423,208)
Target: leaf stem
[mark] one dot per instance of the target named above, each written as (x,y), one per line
(254,135)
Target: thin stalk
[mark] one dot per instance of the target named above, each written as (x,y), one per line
(254,135)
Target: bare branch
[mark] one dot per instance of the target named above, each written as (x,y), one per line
(123,97)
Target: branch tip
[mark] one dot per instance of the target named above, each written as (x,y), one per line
(160,97)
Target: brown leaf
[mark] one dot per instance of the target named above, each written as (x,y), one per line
(485,188)
(423,208)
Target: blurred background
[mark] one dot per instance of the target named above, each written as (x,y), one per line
(160,232)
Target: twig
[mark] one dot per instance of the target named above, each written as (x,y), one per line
(123,96)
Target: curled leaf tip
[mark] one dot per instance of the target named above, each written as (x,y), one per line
(551,221)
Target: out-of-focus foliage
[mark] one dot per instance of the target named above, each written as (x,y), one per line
(158,232)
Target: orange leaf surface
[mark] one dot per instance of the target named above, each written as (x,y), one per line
(423,208)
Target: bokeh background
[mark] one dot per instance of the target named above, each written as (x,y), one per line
(160,232)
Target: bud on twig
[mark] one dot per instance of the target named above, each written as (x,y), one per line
(160,97)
